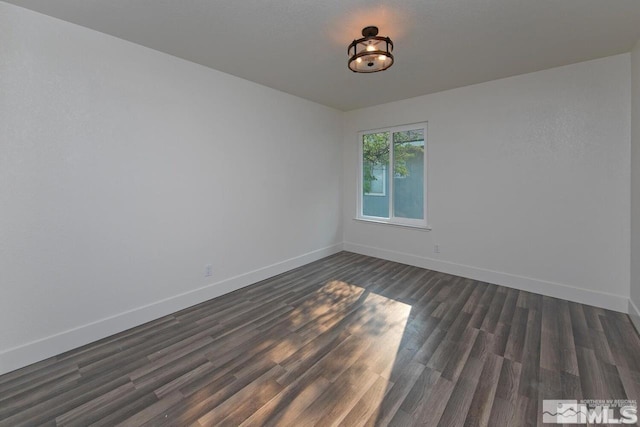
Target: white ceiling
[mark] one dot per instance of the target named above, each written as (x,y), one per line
(299,46)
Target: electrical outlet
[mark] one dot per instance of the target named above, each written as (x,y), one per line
(208,270)
(436,249)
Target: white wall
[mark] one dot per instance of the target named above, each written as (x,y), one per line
(528,182)
(124,171)
(634,306)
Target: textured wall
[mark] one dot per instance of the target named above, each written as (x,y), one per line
(634,308)
(528,182)
(124,171)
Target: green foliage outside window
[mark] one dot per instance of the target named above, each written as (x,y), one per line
(375,152)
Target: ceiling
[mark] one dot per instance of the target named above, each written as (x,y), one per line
(299,46)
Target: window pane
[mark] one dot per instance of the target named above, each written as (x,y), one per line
(375,178)
(378,181)
(408,174)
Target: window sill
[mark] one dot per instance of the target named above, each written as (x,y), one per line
(394,224)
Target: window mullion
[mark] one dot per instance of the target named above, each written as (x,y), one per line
(390,175)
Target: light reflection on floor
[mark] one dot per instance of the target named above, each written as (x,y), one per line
(347,384)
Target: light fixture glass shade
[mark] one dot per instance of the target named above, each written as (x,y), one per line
(371,53)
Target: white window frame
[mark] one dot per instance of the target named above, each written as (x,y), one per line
(392,220)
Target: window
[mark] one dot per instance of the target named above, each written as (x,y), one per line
(377,185)
(392,175)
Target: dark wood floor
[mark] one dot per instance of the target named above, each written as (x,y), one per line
(348,340)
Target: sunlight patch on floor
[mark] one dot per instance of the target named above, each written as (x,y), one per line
(327,362)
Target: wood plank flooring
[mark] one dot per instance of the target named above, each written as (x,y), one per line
(348,340)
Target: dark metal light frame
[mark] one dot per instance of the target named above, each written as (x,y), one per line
(377,58)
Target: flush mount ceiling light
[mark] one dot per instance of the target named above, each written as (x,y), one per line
(371,53)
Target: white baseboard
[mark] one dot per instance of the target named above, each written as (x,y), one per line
(35,351)
(634,314)
(557,290)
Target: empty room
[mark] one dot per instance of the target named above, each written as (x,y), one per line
(329,213)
